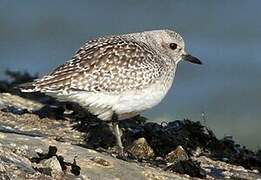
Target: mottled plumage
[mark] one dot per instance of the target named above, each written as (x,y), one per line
(112,65)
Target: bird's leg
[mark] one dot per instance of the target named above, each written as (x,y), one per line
(116,132)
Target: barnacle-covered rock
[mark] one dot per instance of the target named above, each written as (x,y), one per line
(179,154)
(140,149)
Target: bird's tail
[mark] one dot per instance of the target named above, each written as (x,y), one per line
(27,87)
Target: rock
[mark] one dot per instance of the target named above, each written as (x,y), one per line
(107,168)
(51,167)
(31,125)
(197,152)
(179,154)
(140,149)
(14,166)
(222,170)
(26,137)
(190,167)
(9,100)
(101,161)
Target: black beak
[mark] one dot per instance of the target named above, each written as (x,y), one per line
(192,59)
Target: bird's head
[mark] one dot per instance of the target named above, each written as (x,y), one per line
(171,44)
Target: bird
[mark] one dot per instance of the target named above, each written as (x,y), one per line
(117,77)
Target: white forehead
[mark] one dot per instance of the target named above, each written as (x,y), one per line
(166,35)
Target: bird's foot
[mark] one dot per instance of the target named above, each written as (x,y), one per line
(120,153)
(119,149)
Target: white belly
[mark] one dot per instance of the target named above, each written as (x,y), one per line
(137,101)
(125,105)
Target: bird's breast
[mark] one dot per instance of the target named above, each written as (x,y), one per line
(140,100)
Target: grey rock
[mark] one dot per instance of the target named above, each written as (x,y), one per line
(53,165)
(223,170)
(15,166)
(90,168)
(26,136)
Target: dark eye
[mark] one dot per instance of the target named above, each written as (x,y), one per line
(173,46)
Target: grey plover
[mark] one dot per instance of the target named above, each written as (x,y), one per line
(117,77)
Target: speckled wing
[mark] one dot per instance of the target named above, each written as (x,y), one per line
(112,65)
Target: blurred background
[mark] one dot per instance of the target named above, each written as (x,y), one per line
(36,36)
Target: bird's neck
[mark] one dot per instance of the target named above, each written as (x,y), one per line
(169,72)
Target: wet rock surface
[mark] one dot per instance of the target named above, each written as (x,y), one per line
(41,138)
